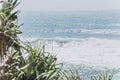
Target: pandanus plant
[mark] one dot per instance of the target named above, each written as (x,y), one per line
(8,27)
(38,65)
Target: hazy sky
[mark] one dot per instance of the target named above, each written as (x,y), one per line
(69,5)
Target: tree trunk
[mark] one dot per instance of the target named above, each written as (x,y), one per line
(3,46)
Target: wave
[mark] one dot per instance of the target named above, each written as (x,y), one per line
(91,51)
(74,32)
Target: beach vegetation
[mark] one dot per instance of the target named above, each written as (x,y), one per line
(26,61)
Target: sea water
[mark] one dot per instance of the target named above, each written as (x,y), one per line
(88,41)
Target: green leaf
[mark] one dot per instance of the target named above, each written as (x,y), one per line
(10,1)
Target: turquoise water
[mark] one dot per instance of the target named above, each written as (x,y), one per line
(81,24)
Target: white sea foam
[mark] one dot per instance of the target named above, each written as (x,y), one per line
(102,31)
(28,39)
(91,52)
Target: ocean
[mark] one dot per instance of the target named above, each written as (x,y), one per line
(88,41)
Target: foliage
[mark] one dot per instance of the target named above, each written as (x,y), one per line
(103,76)
(71,75)
(8,27)
(106,77)
(37,66)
